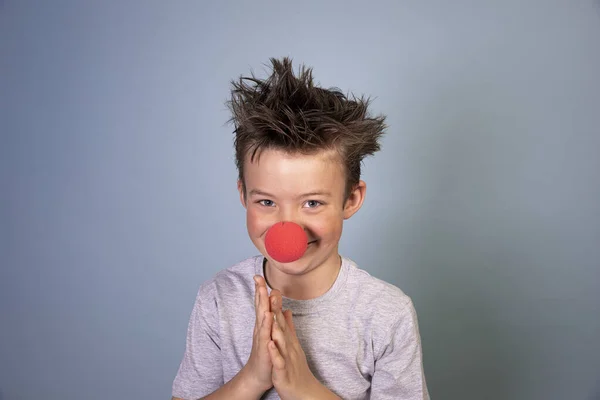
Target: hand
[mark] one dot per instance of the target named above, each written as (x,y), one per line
(259,366)
(292,377)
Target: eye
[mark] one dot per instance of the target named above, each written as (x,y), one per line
(313,204)
(266,203)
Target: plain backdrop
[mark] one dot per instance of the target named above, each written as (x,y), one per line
(118,184)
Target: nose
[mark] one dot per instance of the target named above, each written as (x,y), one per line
(290,215)
(286,242)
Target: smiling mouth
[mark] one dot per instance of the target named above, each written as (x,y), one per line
(312,241)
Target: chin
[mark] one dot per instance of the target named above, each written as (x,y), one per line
(309,261)
(297,267)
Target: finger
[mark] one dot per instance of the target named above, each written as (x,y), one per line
(256,293)
(287,314)
(276,300)
(263,302)
(256,298)
(266,327)
(278,337)
(276,358)
(261,298)
(258,317)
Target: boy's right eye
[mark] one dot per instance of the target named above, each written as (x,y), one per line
(266,203)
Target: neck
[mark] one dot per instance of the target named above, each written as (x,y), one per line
(306,286)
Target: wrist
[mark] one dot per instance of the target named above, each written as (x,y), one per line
(321,392)
(250,384)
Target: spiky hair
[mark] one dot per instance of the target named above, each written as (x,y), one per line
(288,112)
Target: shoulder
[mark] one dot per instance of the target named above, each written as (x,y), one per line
(229,281)
(380,295)
(240,272)
(387,312)
(384,307)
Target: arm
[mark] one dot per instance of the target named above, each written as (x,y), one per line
(399,363)
(200,373)
(240,387)
(292,377)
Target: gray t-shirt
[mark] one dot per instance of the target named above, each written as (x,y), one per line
(361,338)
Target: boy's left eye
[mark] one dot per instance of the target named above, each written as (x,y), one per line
(312,203)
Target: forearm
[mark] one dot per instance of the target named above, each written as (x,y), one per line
(321,392)
(241,387)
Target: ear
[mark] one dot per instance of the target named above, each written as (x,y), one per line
(355,199)
(240,187)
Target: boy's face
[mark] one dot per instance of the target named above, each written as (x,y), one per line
(305,189)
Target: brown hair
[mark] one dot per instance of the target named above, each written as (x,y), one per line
(289,113)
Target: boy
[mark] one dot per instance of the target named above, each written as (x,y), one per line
(343,334)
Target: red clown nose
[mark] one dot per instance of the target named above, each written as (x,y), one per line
(286,242)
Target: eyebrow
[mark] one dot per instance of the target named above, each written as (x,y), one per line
(318,193)
(258,192)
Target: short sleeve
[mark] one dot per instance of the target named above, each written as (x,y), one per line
(398,371)
(200,372)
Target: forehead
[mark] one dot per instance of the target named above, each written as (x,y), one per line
(276,170)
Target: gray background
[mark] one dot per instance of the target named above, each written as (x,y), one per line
(118,192)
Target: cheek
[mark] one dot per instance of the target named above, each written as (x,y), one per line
(256,222)
(328,229)
(252,220)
